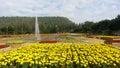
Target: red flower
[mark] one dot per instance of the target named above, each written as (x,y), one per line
(113,41)
(48,41)
(3,45)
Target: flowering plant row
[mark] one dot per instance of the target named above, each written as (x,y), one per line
(108,37)
(111,41)
(48,41)
(3,45)
(62,56)
(15,42)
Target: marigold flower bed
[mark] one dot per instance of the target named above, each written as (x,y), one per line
(62,55)
(2,45)
(15,42)
(48,41)
(108,37)
(112,41)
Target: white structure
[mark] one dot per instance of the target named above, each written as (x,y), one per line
(37,32)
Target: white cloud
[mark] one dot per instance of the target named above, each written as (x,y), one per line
(76,10)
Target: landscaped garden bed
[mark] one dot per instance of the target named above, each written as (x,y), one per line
(48,41)
(107,37)
(16,42)
(110,41)
(2,45)
(62,55)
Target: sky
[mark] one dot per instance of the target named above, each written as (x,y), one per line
(77,11)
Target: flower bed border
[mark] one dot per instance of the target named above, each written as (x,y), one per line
(3,45)
(48,41)
(111,41)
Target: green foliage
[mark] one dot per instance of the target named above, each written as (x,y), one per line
(15,42)
(25,25)
(104,27)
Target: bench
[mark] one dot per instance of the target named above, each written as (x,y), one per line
(112,41)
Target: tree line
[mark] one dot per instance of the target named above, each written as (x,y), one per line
(26,25)
(103,27)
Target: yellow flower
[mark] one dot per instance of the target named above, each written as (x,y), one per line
(60,54)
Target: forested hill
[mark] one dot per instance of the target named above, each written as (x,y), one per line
(25,25)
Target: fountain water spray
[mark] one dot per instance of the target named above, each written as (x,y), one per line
(37,32)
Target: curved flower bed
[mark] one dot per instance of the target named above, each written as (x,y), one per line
(48,41)
(62,55)
(15,42)
(2,45)
(112,41)
(107,37)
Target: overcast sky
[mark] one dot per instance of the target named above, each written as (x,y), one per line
(76,10)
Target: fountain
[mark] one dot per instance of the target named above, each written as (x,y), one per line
(37,34)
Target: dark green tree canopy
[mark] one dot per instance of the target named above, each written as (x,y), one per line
(23,25)
(26,25)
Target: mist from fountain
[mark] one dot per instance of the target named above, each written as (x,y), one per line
(37,31)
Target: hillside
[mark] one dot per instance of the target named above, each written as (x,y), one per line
(18,25)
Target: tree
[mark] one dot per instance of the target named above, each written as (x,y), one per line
(25,25)
(86,27)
